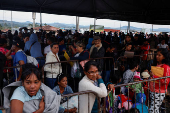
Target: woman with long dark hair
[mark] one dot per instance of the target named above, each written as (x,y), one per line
(61,88)
(157,93)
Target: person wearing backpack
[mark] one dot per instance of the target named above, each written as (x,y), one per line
(18,59)
(33,48)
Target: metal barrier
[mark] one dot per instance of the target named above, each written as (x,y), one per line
(118,62)
(15,71)
(9,80)
(100,108)
(66,68)
(148,92)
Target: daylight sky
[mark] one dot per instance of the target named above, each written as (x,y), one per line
(51,18)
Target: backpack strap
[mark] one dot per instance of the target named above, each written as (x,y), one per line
(24,53)
(86,51)
(31,46)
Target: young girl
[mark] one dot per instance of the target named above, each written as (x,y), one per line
(30,95)
(135,87)
(145,76)
(158,93)
(61,88)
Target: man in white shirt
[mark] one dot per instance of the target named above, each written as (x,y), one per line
(47,49)
(162,45)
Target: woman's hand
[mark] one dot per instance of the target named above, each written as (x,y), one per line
(108,49)
(73,110)
(98,76)
(111,87)
(42,104)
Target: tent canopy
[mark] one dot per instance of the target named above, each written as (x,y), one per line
(145,11)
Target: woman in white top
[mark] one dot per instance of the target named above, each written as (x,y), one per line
(163,45)
(52,70)
(91,81)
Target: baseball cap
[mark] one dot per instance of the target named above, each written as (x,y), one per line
(17,43)
(96,37)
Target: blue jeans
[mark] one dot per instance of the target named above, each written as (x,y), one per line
(41,62)
(106,76)
(50,82)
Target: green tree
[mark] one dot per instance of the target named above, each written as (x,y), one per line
(5,26)
(1,27)
(37,25)
(30,25)
(45,24)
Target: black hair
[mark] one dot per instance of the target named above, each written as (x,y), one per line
(128,35)
(59,78)
(51,39)
(128,44)
(27,35)
(89,64)
(60,39)
(115,77)
(25,28)
(53,44)
(112,45)
(16,38)
(144,68)
(134,110)
(3,41)
(166,54)
(28,69)
(133,64)
(136,35)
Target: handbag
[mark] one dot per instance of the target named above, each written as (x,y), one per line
(75,69)
(75,72)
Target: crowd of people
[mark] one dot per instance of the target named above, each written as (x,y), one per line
(135,55)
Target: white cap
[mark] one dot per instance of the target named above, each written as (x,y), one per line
(145,75)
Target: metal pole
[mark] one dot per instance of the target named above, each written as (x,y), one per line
(33,17)
(3,19)
(11,23)
(128,27)
(40,19)
(77,23)
(152,27)
(94,24)
(120,27)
